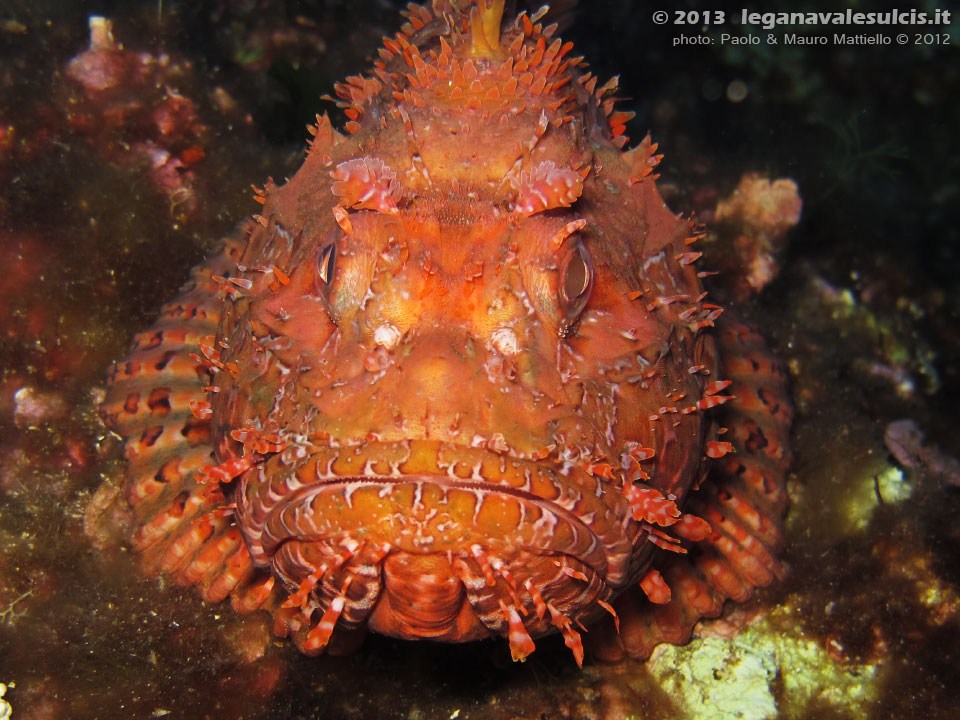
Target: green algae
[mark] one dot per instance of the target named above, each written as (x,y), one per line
(770,670)
(876,484)
(714,678)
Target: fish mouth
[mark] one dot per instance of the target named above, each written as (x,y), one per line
(425,496)
(426,539)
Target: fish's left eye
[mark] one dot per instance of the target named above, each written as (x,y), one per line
(576,276)
(576,282)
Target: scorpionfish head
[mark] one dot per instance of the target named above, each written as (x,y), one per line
(457,353)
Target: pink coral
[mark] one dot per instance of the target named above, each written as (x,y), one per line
(904,440)
(758,215)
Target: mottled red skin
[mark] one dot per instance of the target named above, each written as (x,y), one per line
(463,376)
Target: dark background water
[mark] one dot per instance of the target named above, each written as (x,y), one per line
(865,313)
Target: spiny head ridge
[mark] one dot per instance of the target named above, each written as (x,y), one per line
(464,58)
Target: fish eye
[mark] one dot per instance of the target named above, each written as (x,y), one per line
(326,263)
(576,282)
(576,276)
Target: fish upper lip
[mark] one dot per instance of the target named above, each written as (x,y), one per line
(573,503)
(596,545)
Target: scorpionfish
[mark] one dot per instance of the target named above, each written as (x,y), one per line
(458,378)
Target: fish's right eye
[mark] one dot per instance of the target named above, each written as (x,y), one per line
(326,265)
